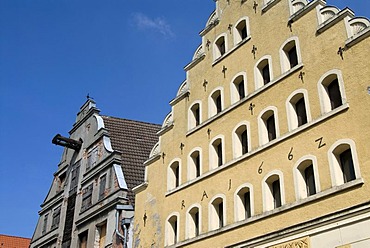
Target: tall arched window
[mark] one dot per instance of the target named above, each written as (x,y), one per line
(215,103)
(298,109)
(241,30)
(217,213)
(172,229)
(216,153)
(273,191)
(193,222)
(173,178)
(194,164)
(194,115)
(290,55)
(243,200)
(238,88)
(331,91)
(263,72)
(343,162)
(220,46)
(241,140)
(268,125)
(306,177)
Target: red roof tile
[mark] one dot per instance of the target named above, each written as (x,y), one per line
(14,242)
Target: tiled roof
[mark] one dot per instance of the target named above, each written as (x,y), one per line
(135,140)
(14,242)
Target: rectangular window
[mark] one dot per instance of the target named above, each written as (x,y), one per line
(102,185)
(197,116)
(347,166)
(220,215)
(270,124)
(56,218)
(310,180)
(247,204)
(218,104)
(83,240)
(266,74)
(91,159)
(219,154)
(293,58)
(196,223)
(74,177)
(276,193)
(334,94)
(87,197)
(197,164)
(241,90)
(244,140)
(301,112)
(102,235)
(45,225)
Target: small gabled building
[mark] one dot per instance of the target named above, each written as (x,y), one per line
(90,202)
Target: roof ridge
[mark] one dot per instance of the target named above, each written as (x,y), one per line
(124,119)
(6,235)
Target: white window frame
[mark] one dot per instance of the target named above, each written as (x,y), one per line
(299,180)
(239,210)
(190,225)
(213,217)
(262,129)
(234,89)
(268,200)
(258,78)
(237,146)
(213,156)
(335,168)
(216,50)
(291,111)
(322,88)
(212,108)
(169,232)
(171,177)
(191,116)
(236,31)
(191,165)
(284,58)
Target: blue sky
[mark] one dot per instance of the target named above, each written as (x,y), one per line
(126,54)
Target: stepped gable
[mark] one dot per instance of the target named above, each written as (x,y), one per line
(134,140)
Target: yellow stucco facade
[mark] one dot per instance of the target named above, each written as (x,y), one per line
(267,143)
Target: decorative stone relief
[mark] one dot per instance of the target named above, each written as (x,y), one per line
(298,243)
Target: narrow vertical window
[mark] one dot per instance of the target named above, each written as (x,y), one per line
(45,225)
(218,104)
(102,230)
(194,226)
(219,154)
(102,185)
(310,180)
(300,108)
(220,212)
(217,212)
(276,194)
(173,175)
(293,58)
(271,130)
(220,43)
(244,141)
(266,74)
(346,164)
(172,230)
(87,197)
(56,218)
(241,90)
(83,240)
(334,94)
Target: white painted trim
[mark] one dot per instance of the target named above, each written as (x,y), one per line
(299,182)
(291,113)
(236,35)
(191,166)
(238,203)
(212,215)
(335,170)
(284,59)
(191,117)
(266,192)
(213,163)
(258,79)
(190,228)
(169,235)
(212,109)
(233,89)
(262,129)
(216,51)
(237,152)
(171,178)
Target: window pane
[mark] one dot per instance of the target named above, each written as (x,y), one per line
(221,215)
(301,112)
(334,94)
(247,204)
(293,59)
(310,180)
(270,124)
(219,153)
(218,104)
(347,166)
(241,90)
(266,74)
(276,193)
(244,141)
